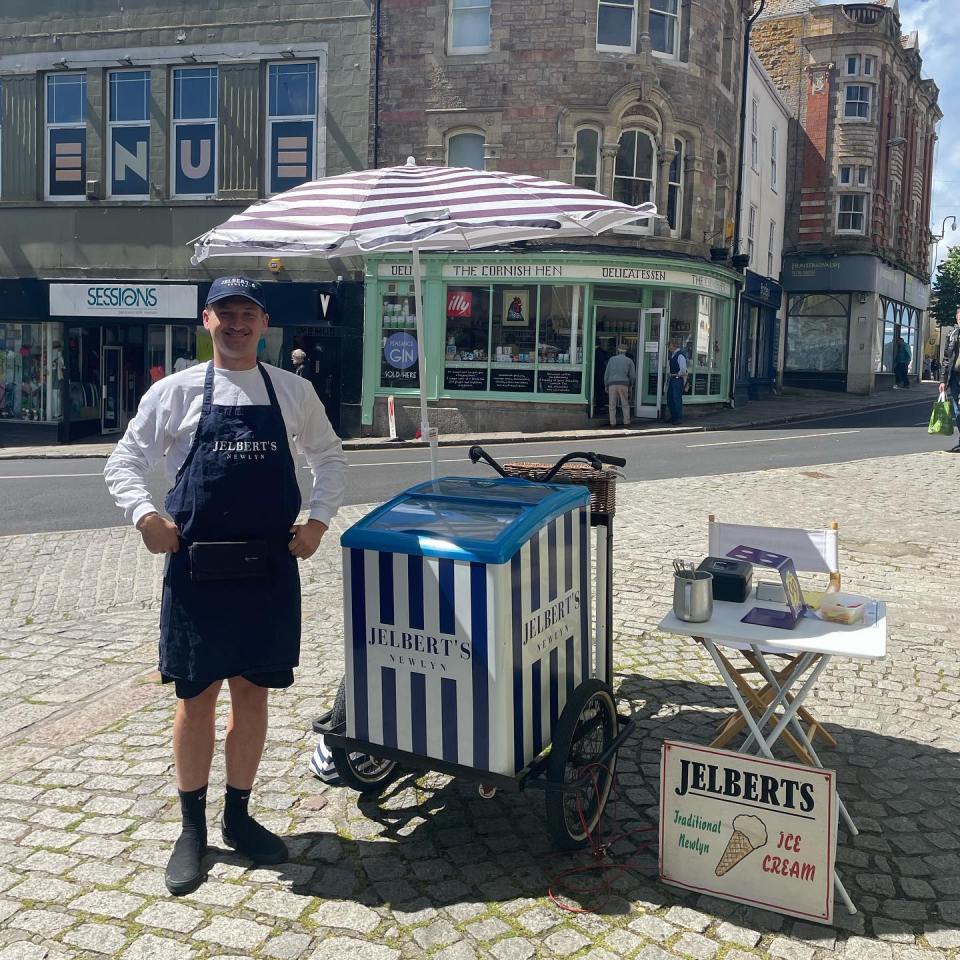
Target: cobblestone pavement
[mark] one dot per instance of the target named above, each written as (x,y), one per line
(87,805)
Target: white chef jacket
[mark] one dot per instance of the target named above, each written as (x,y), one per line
(167,420)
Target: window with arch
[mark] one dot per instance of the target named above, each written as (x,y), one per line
(634,175)
(675,188)
(726,46)
(586,164)
(466,150)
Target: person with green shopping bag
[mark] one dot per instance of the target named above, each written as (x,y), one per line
(950,378)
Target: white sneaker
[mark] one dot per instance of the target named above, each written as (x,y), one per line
(896,386)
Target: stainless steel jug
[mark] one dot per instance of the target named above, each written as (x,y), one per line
(693,596)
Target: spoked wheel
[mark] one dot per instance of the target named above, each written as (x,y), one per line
(586,728)
(367,774)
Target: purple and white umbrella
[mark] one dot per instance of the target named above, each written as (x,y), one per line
(415,208)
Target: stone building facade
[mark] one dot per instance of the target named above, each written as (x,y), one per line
(126,130)
(860,174)
(638,99)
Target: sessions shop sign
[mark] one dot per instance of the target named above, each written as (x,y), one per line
(114,298)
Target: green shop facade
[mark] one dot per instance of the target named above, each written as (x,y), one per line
(519,340)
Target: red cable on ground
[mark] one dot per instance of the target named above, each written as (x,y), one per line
(598,848)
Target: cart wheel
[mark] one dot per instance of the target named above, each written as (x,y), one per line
(587,726)
(364,773)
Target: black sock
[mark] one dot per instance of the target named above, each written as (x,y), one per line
(235,805)
(193,811)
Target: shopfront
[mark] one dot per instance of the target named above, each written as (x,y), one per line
(844,316)
(520,341)
(760,335)
(76,357)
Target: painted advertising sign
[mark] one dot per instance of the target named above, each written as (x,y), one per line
(756,831)
(130,162)
(67,159)
(195,160)
(291,153)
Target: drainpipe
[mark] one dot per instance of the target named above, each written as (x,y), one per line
(377,45)
(738,203)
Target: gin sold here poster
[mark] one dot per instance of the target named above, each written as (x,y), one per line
(757,831)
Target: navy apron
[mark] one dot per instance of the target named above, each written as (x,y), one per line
(238,482)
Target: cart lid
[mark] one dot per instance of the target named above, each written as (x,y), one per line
(485,520)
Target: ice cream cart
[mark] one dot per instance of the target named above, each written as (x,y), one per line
(469,647)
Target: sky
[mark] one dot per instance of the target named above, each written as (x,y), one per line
(939,29)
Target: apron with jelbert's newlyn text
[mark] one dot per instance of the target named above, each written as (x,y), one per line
(238,482)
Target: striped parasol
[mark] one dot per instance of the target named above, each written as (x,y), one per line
(415,208)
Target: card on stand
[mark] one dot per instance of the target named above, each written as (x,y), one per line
(793,595)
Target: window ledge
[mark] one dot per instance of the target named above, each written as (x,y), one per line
(469,52)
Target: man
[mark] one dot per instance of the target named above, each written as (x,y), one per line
(231,590)
(618,377)
(299,360)
(950,377)
(676,379)
(901,362)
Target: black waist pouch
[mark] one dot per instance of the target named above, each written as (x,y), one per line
(229,560)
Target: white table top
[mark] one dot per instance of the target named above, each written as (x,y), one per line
(858,641)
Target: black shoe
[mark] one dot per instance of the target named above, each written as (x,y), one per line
(254,841)
(955,449)
(185,866)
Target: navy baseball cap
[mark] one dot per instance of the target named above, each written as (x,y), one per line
(224,287)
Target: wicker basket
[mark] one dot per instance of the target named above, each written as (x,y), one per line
(602,484)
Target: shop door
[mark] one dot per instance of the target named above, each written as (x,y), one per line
(111,403)
(323,369)
(616,325)
(650,361)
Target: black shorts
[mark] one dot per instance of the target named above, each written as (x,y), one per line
(272,679)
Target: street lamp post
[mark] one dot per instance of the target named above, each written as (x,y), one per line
(943,232)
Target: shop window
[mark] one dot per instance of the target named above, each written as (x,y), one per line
(291,124)
(857,99)
(31,371)
(157,367)
(466,150)
(634,170)
(193,139)
(675,189)
(665,26)
(514,339)
(183,347)
(469,26)
(851,213)
(66,136)
(128,135)
(816,338)
(616,24)
(586,169)
(697,323)
(399,355)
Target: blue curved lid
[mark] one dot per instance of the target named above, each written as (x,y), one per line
(485,520)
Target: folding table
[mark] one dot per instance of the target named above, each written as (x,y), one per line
(812,644)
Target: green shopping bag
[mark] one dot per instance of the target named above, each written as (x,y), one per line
(941,418)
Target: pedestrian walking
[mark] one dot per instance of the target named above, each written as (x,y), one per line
(299,360)
(927,368)
(231,591)
(676,380)
(619,377)
(950,378)
(935,368)
(901,363)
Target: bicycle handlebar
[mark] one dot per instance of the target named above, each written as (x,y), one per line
(596,460)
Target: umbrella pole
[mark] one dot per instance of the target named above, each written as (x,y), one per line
(425,432)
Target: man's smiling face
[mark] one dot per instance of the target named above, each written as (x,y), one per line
(236,325)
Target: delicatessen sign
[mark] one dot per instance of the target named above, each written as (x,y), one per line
(756,831)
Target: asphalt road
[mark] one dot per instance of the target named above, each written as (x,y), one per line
(49,495)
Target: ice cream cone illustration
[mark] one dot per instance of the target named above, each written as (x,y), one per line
(749,834)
